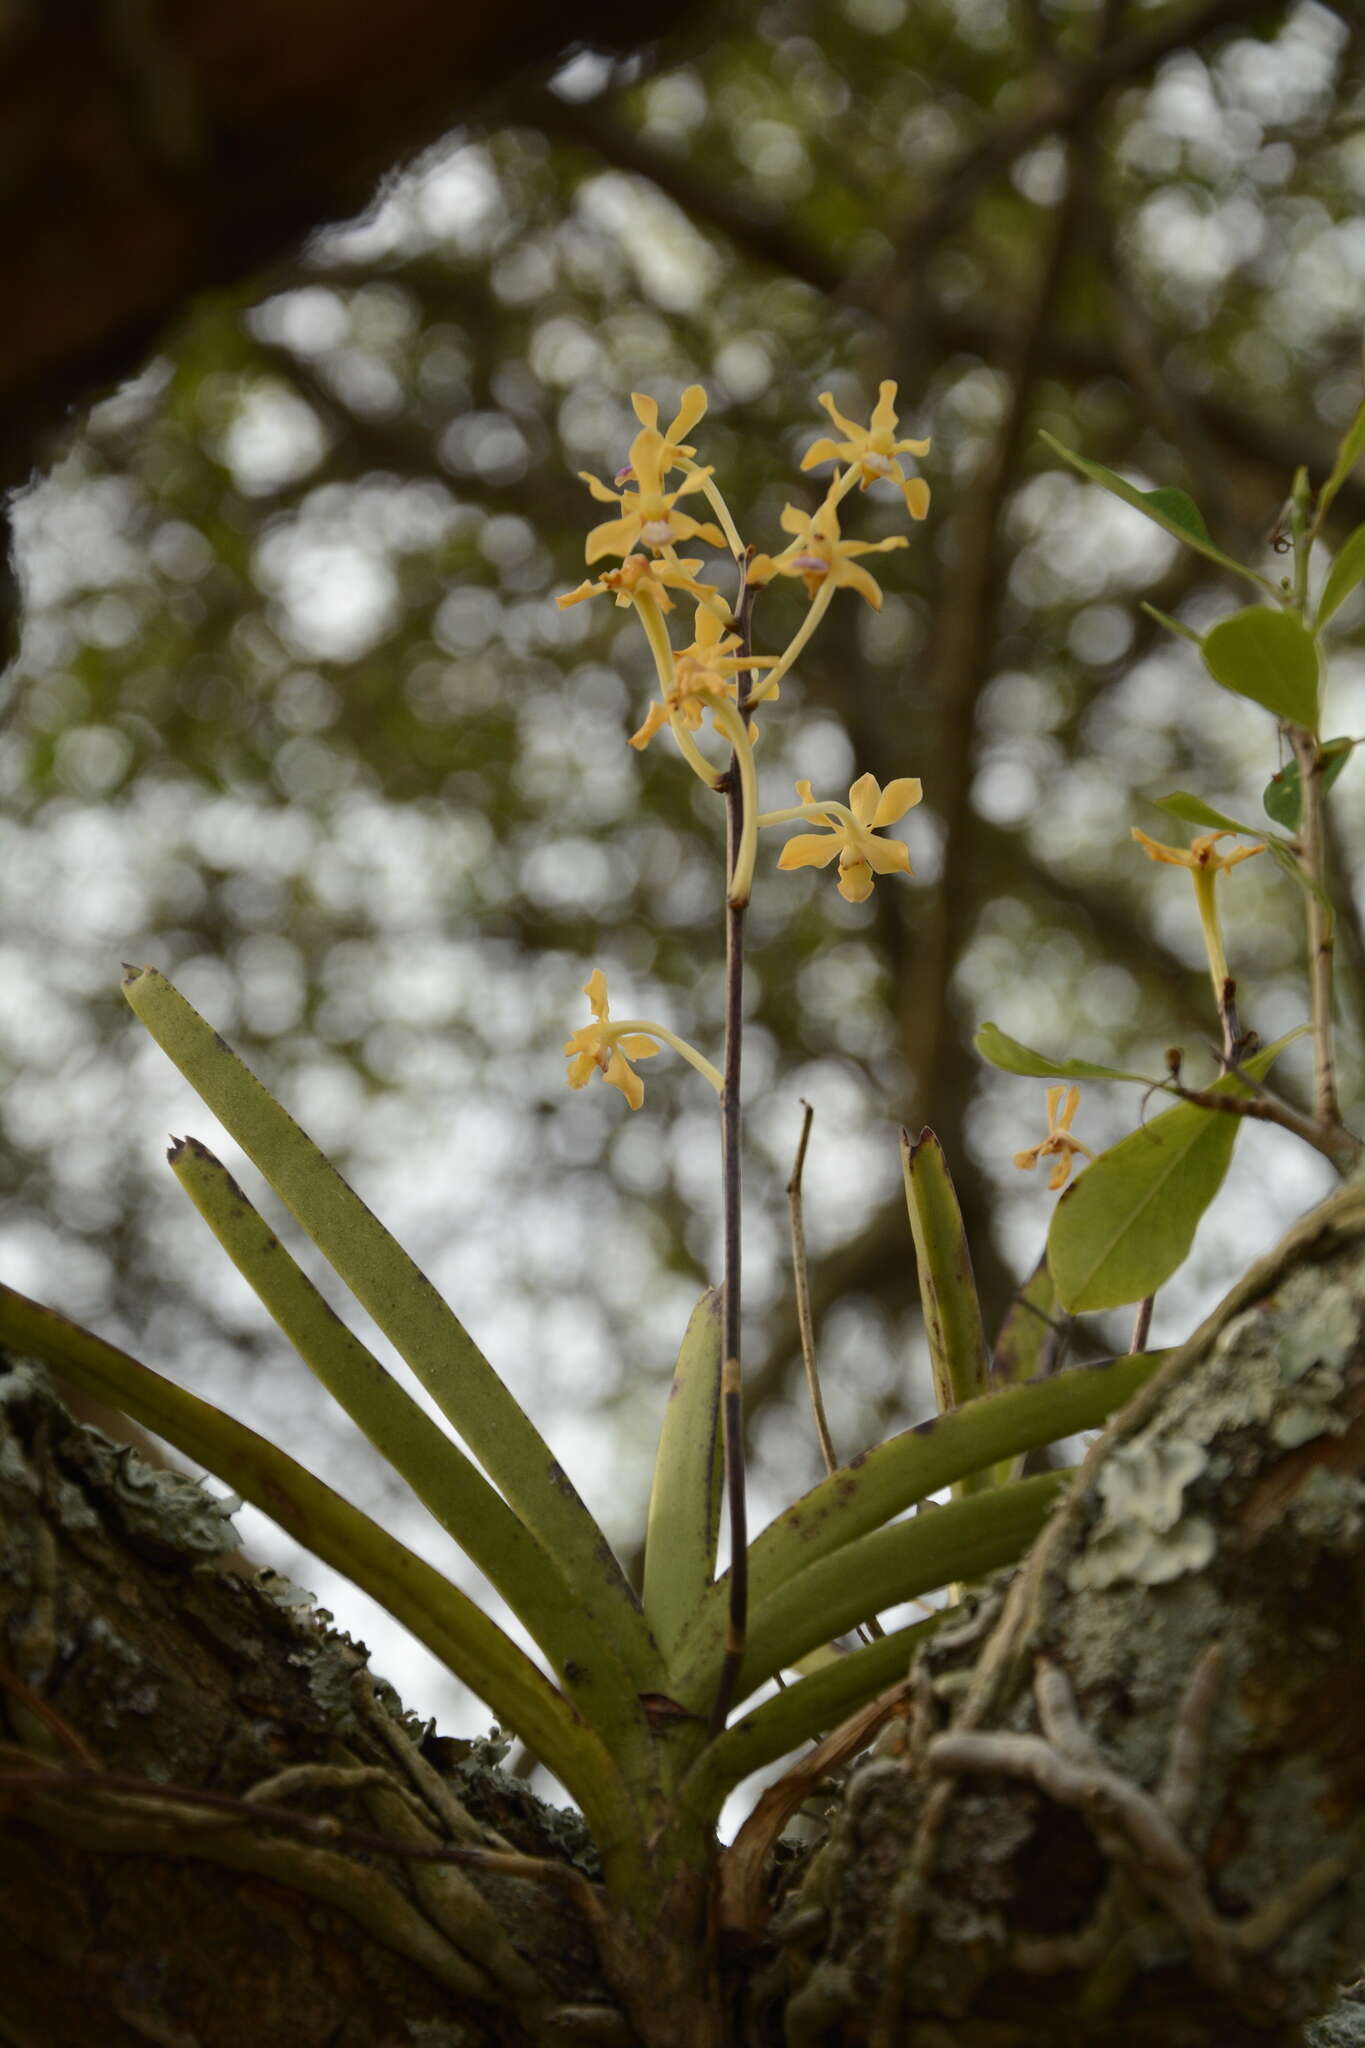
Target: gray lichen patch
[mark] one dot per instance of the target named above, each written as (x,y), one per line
(1330,1508)
(1279,1369)
(1144,1534)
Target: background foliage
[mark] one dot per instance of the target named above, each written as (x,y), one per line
(296,717)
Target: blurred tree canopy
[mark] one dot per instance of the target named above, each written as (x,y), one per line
(297,719)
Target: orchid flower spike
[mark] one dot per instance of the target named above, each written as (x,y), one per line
(607,1048)
(821,557)
(1059,1143)
(850,832)
(872,450)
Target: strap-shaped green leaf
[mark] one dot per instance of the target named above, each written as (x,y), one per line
(909,1467)
(959,1542)
(438,1614)
(1012,1057)
(1269,657)
(802,1711)
(952,1311)
(685,1498)
(1122,1229)
(1171,509)
(407,1308)
(437,1470)
(1022,1343)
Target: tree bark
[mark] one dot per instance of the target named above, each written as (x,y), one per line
(154,152)
(1123,1805)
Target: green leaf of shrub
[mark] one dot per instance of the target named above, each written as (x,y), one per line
(1194,811)
(1269,657)
(1013,1058)
(1348,455)
(1283,797)
(1345,573)
(1177,509)
(1174,510)
(1130,1219)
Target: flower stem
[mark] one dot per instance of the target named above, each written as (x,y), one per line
(732,1396)
(649,1029)
(711,491)
(818,607)
(728,721)
(693,755)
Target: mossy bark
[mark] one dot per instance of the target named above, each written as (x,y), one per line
(1217,1531)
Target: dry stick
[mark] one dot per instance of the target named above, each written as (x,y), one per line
(871,1629)
(1142,1323)
(1320,934)
(732,1395)
(801,1283)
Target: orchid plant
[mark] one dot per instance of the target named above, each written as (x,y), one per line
(652,1703)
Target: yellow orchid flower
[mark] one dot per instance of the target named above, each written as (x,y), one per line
(649,517)
(607,1048)
(821,557)
(849,831)
(691,406)
(703,677)
(873,449)
(654,573)
(1205,866)
(1059,1143)
(1199,854)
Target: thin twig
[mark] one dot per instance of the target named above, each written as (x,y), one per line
(870,1630)
(1312,859)
(1142,1323)
(1335,1143)
(801,1282)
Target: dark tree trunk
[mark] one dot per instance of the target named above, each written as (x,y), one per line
(155,152)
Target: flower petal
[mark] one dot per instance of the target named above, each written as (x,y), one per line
(691,406)
(612,537)
(646,410)
(1176,855)
(863,798)
(849,428)
(599,489)
(595,989)
(916,495)
(886,856)
(636,1046)
(898,797)
(619,1075)
(823,450)
(656,716)
(855,881)
(850,577)
(809,850)
(884,412)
